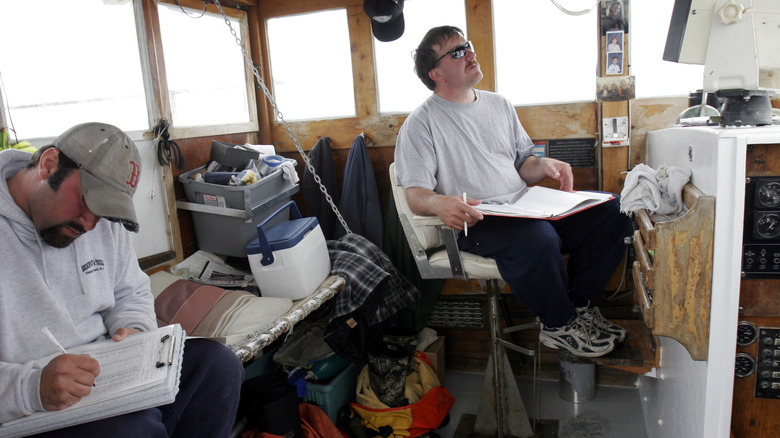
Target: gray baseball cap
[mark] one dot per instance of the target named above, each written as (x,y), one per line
(110,169)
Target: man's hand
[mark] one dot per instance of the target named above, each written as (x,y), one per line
(67,379)
(123,333)
(560,171)
(450,209)
(534,169)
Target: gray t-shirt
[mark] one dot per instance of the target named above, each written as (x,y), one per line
(452,148)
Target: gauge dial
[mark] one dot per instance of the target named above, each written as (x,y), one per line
(767,225)
(747,333)
(768,194)
(744,365)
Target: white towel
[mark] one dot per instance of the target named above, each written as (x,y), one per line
(657,191)
(264,149)
(288,167)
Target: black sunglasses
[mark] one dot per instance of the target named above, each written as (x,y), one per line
(457,52)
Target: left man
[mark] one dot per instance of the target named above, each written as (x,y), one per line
(69,265)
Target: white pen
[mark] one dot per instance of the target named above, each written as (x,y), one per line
(465,224)
(54,340)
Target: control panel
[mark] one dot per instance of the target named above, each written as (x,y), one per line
(761,238)
(768,363)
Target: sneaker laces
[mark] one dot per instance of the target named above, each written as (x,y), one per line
(591,314)
(594,315)
(587,331)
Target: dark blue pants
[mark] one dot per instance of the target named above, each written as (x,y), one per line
(205,406)
(530,257)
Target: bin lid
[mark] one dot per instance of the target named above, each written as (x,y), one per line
(283,235)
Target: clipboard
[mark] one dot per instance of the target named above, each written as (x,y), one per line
(540,202)
(140,372)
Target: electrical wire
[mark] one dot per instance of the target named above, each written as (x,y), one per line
(168,151)
(7,111)
(192,16)
(582,12)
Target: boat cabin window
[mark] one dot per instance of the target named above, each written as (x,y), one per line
(399,88)
(78,61)
(199,47)
(102,63)
(544,55)
(656,77)
(90,67)
(311,65)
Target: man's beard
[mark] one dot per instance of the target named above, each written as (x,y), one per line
(56,237)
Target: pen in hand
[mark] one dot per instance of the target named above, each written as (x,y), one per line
(54,340)
(465,224)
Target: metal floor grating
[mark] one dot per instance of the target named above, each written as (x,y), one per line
(458,314)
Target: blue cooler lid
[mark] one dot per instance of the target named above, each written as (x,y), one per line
(288,234)
(281,236)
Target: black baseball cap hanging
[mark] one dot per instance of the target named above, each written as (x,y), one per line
(387,18)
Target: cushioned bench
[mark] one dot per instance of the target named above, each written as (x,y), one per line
(245,322)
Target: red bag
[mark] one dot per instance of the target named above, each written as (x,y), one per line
(430,402)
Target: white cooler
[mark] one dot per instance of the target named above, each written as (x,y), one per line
(290,260)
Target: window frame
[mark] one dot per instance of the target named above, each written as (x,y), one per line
(162,107)
(135,135)
(592,16)
(155,82)
(270,81)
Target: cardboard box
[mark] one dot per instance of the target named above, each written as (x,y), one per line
(435,353)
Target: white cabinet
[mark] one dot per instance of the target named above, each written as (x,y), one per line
(688,398)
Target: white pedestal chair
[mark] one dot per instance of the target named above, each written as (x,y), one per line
(435,251)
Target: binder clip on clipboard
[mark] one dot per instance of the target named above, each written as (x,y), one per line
(165,357)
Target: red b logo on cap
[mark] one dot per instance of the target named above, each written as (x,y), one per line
(134,175)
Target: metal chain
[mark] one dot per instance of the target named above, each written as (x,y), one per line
(278,113)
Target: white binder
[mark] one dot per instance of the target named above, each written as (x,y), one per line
(140,372)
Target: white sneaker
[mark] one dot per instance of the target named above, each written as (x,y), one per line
(593,316)
(579,337)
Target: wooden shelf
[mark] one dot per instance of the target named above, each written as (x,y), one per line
(673,272)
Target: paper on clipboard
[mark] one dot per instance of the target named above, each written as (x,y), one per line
(139,372)
(540,202)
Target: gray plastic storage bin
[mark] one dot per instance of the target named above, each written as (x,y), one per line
(226,230)
(231,155)
(241,197)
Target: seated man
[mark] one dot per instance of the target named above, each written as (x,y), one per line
(69,265)
(463,140)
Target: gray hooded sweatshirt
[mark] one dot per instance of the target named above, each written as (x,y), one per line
(82,293)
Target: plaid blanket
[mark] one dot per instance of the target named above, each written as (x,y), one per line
(375,290)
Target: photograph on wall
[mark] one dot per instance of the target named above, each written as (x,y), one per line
(614,63)
(614,89)
(614,16)
(615,41)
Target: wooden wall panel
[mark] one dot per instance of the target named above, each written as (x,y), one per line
(614,159)
(479,23)
(650,115)
(573,120)
(362,62)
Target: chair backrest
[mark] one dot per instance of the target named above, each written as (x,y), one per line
(428,236)
(425,233)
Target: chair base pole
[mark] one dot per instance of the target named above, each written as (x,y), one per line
(501,410)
